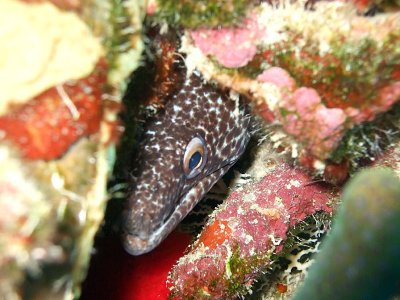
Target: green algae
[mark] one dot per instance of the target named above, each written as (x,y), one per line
(241,269)
(117,37)
(367,140)
(203,13)
(350,74)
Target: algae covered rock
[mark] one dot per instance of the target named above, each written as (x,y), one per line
(242,235)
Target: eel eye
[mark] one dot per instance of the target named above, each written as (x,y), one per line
(195,157)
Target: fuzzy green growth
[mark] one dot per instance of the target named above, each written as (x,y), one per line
(240,271)
(117,40)
(303,234)
(367,140)
(344,77)
(350,75)
(202,13)
(359,259)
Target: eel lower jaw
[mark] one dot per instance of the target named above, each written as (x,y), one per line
(137,245)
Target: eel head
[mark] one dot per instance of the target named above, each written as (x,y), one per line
(186,149)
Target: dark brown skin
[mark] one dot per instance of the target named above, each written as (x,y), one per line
(198,136)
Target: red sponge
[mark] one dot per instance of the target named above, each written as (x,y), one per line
(114,274)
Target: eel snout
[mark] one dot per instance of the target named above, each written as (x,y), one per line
(146,223)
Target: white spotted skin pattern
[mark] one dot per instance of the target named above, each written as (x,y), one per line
(160,195)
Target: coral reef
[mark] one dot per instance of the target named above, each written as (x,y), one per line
(120,25)
(323,75)
(359,258)
(369,141)
(48,50)
(325,81)
(390,158)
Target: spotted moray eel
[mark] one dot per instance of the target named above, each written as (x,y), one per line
(199,135)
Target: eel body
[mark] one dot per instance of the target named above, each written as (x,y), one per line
(199,135)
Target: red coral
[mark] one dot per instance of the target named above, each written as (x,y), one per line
(46,126)
(215,234)
(115,274)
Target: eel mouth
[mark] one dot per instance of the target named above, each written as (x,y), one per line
(135,244)
(139,243)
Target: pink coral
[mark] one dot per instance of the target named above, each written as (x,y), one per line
(278,76)
(317,127)
(388,96)
(304,116)
(232,47)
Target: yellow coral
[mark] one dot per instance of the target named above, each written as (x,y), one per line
(41,46)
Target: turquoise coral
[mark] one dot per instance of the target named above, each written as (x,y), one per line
(359,260)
